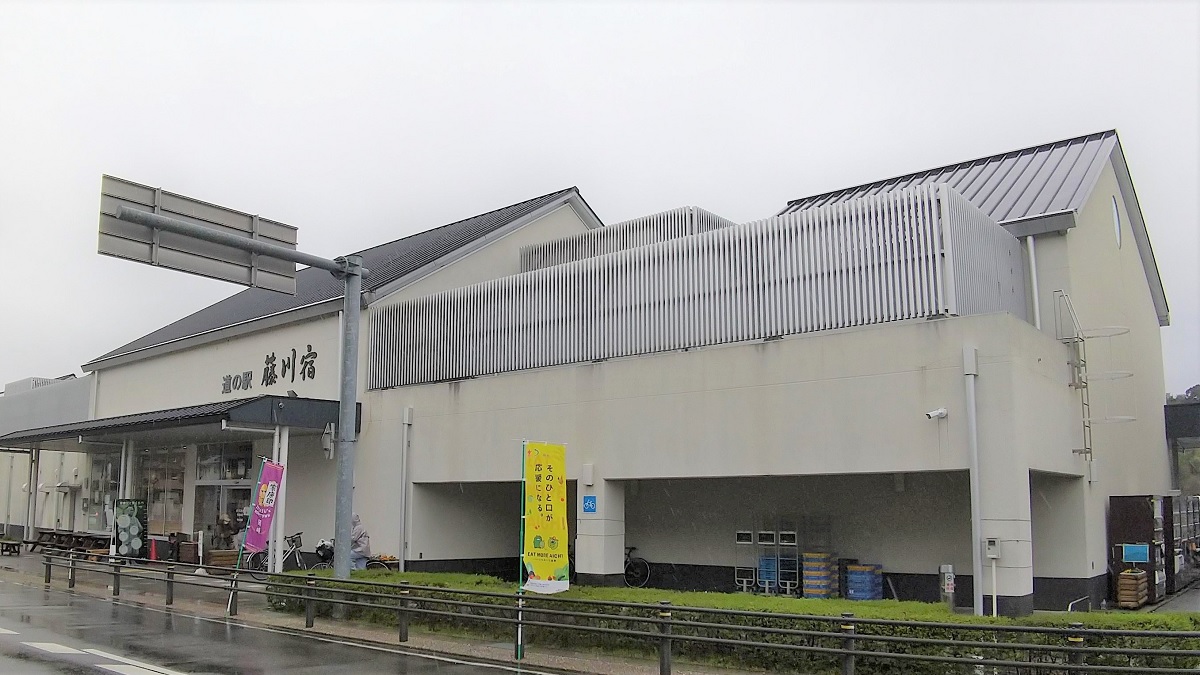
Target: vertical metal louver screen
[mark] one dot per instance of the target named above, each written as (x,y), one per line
(876,259)
(621,236)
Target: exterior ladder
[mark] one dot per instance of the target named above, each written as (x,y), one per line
(1068,331)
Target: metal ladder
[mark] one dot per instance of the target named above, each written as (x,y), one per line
(1068,331)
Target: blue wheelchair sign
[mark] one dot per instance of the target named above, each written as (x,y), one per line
(589,504)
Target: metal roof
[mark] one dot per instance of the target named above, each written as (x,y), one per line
(386,262)
(263,410)
(1016,185)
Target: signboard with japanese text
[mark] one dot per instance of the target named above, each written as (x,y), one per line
(131,536)
(544,519)
(258,530)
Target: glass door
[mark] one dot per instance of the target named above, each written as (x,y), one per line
(221,513)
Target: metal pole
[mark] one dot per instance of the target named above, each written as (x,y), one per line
(71,572)
(519,644)
(309,588)
(233,591)
(275,547)
(170,584)
(1075,640)
(8,493)
(116,584)
(970,372)
(664,645)
(281,499)
(46,562)
(31,510)
(209,234)
(848,643)
(347,417)
(402,616)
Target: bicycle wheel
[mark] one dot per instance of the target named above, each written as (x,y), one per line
(637,572)
(321,566)
(257,563)
(376,565)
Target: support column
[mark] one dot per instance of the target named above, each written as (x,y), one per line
(284,434)
(600,542)
(31,510)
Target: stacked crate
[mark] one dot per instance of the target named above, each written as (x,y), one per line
(1133,589)
(818,576)
(864,582)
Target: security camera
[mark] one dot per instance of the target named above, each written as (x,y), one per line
(936,414)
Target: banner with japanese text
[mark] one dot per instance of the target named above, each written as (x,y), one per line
(544,521)
(258,530)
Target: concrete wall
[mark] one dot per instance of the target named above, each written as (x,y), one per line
(910,524)
(465,520)
(850,401)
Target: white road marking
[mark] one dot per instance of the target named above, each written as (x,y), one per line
(52,647)
(127,669)
(5,631)
(142,666)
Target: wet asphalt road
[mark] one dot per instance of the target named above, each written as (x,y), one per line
(54,632)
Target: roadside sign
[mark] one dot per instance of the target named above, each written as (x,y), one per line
(589,504)
(148,245)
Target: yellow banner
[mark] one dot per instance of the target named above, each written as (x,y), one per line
(544,549)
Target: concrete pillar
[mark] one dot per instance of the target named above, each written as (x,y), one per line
(600,542)
(1005,517)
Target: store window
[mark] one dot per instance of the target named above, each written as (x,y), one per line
(100,495)
(225,476)
(158,478)
(224,461)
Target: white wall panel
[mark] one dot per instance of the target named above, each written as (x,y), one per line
(919,252)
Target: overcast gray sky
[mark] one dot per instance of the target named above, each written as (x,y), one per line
(361,123)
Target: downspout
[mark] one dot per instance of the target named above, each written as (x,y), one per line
(8,493)
(406,445)
(970,372)
(1033,282)
(31,509)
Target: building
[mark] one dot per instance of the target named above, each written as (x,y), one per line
(834,371)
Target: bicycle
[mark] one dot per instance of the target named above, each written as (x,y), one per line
(637,570)
(259,563)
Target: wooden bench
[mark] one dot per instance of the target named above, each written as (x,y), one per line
(10,547)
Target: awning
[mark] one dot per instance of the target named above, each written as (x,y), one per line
(209,422)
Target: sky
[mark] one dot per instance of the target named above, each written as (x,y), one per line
(361,123)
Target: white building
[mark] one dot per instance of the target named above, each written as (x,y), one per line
(706,376)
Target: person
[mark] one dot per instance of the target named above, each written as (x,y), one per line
(360,544)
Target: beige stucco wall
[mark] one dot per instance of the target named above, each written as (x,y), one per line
(499,258)
(194,376)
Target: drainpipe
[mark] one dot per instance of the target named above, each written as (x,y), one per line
(1033,282)
(31,508)
(405,446)
(8,494)
(970,372)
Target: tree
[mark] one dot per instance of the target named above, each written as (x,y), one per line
(1192,395)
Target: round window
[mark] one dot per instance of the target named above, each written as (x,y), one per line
(1116,221)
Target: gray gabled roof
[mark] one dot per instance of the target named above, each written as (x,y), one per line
(1034,182)
(386,263)
(1016,185)
(308,413)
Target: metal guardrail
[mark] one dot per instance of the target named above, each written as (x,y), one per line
(662,625)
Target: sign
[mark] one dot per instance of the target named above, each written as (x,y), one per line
(276,370)
(130,536)
(258,530)
(1135,553)
(149,245)
(544,521)
(589,504)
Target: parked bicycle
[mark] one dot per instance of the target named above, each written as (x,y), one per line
(259,563)
(637,570)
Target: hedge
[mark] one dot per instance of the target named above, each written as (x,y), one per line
(968,627)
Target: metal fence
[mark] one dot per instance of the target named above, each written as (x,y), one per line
(628,234)
(846,643)
(915,253)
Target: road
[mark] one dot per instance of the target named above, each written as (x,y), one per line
(53,632)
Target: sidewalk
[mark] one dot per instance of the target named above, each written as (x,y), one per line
(209,603)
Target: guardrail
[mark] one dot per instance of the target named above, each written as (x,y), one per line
(846,640)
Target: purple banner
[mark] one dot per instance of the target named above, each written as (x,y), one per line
(258,530)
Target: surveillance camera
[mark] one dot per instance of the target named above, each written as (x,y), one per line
(936,414)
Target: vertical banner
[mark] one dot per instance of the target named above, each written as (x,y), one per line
(130,525)
(258,530)
(544,520)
